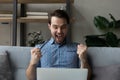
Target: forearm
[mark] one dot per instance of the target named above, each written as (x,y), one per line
(84,64)
(31,72)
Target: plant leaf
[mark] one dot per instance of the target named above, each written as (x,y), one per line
(112,39)
(111,16)
(117,24)
(93,41)
(101,22)
(112,24)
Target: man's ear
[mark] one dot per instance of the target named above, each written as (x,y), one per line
(48,25)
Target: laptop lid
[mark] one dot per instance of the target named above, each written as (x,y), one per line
(62,74)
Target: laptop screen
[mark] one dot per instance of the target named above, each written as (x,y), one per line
(61,74)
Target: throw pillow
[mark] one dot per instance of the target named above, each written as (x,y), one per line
(5,71)
(111,72)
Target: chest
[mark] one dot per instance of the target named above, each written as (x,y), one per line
(55,51)
(56,55)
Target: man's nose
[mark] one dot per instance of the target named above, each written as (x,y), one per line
(59,30)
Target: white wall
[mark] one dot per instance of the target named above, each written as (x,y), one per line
(83,13)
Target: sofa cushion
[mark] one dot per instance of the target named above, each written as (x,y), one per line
(20,74)
(103,56)
(19,56)
(5,70)
(111,72)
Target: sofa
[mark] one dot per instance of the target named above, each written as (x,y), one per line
(19,58)
(105,62)
(101,59)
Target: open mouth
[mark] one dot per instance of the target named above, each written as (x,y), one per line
(59,37)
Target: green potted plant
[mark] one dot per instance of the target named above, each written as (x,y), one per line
(35,38)
(109,39)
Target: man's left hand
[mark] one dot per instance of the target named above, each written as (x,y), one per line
(81,51)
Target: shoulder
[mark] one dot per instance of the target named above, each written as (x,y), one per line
(41,45)
(38,45)
(72,45)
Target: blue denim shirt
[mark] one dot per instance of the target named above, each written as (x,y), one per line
(58,55)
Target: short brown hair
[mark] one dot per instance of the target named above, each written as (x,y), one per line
(60,14)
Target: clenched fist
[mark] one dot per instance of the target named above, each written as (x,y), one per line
(81,51)
(35,56)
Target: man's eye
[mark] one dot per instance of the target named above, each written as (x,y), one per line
(64,26)
(54,26)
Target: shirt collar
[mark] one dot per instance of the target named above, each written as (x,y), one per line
(52,41)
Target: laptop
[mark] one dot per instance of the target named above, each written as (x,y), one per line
(62,74)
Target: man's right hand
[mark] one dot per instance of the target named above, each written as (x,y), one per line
(35,56)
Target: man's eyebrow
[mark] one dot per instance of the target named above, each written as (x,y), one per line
(59,25)
(64,25)
(54,24)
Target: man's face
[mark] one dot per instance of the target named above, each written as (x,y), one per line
(58,29)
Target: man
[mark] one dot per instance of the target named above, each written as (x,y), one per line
(57,52)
